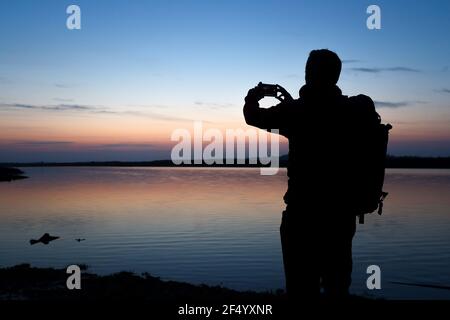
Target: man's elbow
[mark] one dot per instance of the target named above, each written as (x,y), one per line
(251,122)
(250,118)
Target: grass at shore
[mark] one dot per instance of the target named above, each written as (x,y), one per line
(24,282)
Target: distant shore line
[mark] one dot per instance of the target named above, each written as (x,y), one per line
(407,162)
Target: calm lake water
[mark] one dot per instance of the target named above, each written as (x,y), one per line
(215,226)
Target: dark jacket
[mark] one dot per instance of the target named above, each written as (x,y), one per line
(325,130)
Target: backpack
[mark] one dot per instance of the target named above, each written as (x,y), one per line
(371,144)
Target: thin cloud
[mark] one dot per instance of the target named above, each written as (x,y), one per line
(368,70)
(63,107)
(56,143)
(403,69)
(391,69)
(443,90)
(152,115)
(42,143)
(62,85)
(347,61)
(18,106)
(94,110)
(126,145)
(389,104)
(213,105)
(58,107)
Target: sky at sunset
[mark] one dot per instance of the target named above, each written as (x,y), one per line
(137,70)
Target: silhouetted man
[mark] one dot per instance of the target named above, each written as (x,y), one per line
(324,166)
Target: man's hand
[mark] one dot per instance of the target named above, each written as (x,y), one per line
(283,94)
(254,95)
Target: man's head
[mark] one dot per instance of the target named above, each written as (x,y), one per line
(322,68)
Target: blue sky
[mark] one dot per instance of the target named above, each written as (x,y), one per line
(161,64)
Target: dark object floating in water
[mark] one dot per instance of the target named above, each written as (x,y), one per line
(80,239)
(10,174)
(45,239)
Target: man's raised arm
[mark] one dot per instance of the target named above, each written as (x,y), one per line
(259,117)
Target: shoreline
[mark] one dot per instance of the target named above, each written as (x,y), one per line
(24,282)
(397,162)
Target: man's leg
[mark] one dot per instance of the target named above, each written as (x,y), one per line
(299,257)
(337,259)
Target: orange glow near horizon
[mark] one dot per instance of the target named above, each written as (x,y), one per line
(78,132)
(137,131)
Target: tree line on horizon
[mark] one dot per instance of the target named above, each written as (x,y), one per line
(391,162)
